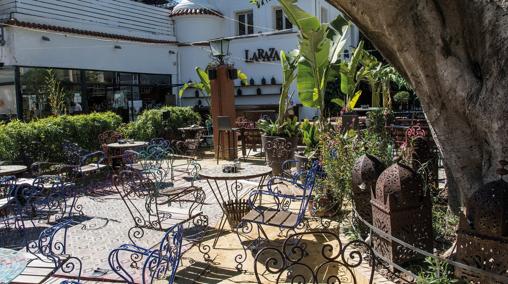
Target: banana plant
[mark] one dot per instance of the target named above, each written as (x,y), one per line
(350,79)
(289,62)
(204,86)
(320,48)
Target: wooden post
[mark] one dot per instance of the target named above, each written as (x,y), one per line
(223,104)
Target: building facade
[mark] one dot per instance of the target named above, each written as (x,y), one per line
(257,36)
(126,56)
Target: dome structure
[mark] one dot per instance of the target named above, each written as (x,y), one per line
(398,187)
(366,171)
(196,7)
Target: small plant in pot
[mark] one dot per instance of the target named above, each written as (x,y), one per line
(310,138)
(280,137)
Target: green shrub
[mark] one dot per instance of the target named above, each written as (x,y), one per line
(40,140)
(151,125)
(339,153)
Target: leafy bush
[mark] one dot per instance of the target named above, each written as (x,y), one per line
(339,153)
(438,272)
(150,124)
(289,128)
(40,140)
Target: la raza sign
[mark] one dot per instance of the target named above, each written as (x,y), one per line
(268,55)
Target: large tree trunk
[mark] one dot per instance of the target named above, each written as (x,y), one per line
(455,54)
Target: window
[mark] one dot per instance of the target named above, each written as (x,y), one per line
(281,22)
(324,15)
(245,23)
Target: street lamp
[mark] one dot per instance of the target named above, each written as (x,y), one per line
(219,48)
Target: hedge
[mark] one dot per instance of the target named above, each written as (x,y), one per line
(150,124)
(40,140)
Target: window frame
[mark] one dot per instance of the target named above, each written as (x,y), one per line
(285,20)
(248,28)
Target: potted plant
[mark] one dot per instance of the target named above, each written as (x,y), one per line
(280,137)
(310,138)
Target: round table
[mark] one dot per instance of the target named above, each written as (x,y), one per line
(127,145)
(6,170)
(229,196)
(12,264)
(116,150)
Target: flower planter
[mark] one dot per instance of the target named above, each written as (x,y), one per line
(277,150)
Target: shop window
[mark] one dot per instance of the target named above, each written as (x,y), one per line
(149,79)
(245,23)
(281,22)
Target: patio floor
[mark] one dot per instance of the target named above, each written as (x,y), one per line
(105,224)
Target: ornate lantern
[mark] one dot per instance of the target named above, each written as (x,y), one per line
(366,171)
(482,239)
(401,208)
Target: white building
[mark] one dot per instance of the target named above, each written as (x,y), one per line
(257,35)
(126,56)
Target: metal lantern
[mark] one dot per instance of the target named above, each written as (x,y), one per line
(401,208)
(482,239)
(220,48)
(366,171)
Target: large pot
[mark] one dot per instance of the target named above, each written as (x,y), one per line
(278,150)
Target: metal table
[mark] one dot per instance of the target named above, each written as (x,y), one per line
(229,196)
(119,148)
(7,170)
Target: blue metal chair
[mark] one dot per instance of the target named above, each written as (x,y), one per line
(283,192)
(160,263)
(50,248)
(83,163)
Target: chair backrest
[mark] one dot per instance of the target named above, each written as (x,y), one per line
(308,187)
(109,137)
(166,258)
(336,263)
(73,152)
(160,142)
(224,123)
(132,186)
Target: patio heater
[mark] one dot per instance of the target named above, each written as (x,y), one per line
(222,100)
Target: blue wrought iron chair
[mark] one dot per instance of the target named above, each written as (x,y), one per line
(331,260)
(284,192)
(156,213)
(55,196)
(158,263)
(51,248)
(82,163)
(8,203)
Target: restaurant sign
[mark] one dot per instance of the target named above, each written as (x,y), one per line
(268,55)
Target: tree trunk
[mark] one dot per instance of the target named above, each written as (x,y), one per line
(455,54)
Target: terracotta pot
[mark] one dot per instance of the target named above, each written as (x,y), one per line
(278,150)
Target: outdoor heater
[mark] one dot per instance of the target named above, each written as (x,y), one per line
(220,49)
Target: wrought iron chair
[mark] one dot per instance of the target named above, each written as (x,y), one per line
(294,262)
(55,196)
(83,164)
(8,203)
(149,208)
(162,260)
(160,142)
(282,213)
(50,248)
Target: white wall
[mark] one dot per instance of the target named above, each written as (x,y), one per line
(195,28)
(26,48)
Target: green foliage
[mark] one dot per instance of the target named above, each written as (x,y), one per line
(204,86)
(57,96)
(402,97)
(289,62)
(290,128)
(40,140)
(349,79)
(378,120)
(438,272)
(340,151)
(150,124)
(320,47)
(310,137)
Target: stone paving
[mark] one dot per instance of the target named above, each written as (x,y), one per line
(105,224)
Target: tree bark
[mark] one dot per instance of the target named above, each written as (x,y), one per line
(455,54)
